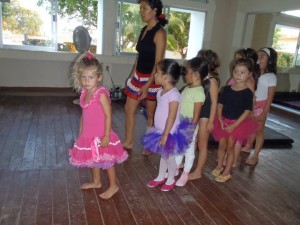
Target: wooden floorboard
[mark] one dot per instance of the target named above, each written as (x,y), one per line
(38,186)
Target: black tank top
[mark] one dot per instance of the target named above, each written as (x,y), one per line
(146,49)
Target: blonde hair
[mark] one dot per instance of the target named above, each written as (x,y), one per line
(83,62)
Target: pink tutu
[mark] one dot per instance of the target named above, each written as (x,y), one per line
(241,133)
(87,152)
(259,107)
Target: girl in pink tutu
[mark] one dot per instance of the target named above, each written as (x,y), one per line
(168,137)
(97,146)
(233,122)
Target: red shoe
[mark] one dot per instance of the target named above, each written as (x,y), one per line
(154,183)
(167,187)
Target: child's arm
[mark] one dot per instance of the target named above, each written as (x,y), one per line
(80,125)
(197,110)
(214,91)
(242,117)
(263,115)
(108,120)
(219,115)
(173,108)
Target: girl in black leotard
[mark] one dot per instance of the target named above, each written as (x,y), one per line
(208,110)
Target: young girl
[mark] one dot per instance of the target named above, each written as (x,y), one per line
(208,110)
(97,145)
(192,98)
(250,54)
(234,107)
(264,94)
(168,137)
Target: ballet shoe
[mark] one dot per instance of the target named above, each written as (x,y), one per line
(155,183)
(168,187)
(183,179)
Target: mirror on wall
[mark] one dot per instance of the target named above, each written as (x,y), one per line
(280,30)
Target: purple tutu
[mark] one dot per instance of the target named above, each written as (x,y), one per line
(177,143)
(241,133)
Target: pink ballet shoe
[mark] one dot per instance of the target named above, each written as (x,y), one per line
(183,179)
(168,187)
(155,183)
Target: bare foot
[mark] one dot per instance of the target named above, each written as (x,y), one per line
(145,153)
(246,149)
(252,161)
(195,176)
(109,192)
(90,186)
(234,164)
(127,146)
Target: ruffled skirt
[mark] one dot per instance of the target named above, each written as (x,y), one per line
(87,152)
(241,133)
(177,143)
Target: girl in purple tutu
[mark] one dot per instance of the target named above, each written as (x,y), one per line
(233,121)
(169,136)
(97,146)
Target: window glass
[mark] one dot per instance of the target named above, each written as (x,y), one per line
(129,25)
(26,24)
(285,41)
(69,17)
(185,33)
(185,30)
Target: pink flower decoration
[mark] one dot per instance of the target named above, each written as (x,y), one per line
(89,56)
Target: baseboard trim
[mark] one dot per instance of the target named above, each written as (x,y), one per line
(37,91)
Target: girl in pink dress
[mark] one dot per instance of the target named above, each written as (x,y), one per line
(97,146)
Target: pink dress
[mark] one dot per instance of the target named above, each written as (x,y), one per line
(87,151)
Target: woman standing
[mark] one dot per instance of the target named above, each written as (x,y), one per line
(151,48)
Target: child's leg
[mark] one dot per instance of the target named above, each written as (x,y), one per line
(259,141)
(113,186)
(189,160)
(249,144)
(221,153)
(96,180)
(162,169)
(203,136)
(178,159)
(237,151)
(230,156)
(171,166)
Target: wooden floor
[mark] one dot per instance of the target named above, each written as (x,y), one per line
(38,186)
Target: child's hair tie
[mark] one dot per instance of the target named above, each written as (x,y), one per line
(89,56)
(162,16)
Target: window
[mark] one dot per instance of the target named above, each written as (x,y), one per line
(185,29)
(286,43)
(46,24)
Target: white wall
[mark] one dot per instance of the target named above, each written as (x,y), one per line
(223,34)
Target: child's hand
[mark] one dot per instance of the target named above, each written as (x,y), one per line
(163,140)
(143,92)
(105,141)
(210,126)
(229,128)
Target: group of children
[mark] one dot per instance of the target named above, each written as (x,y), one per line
(183,121)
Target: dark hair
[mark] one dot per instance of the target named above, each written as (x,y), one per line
(200,65)
(250,53)
(157,4)
(245,62)
(212,58)
(172,68)
(272,59)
